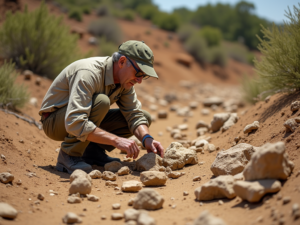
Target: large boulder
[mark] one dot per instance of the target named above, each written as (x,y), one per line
(233,160)
(148,199)
(81,182)
(153,178)
(220,187)
(176,156)
(270,161)
(253,191)
(218,121)
(150,161)
(206,218)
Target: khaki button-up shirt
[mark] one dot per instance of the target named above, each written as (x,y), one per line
(75,87)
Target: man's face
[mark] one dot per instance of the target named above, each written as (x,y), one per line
(127,77)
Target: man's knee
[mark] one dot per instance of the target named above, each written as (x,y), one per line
(101,101)
(148,117)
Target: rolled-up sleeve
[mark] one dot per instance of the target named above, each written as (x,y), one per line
(130,107)
(82,89)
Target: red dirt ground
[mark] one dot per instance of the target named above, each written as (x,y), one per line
(37,154)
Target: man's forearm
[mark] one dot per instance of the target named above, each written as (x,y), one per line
(102,137)
(141,131)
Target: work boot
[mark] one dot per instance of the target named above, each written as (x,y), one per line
(95,155)
(68,163)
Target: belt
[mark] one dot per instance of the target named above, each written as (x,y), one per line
(45,116)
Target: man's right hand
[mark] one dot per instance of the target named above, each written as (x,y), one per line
(127,145)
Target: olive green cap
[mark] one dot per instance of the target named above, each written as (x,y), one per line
(141,54)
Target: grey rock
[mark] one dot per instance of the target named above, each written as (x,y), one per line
(73,199)
(6,177)
(212,101)
(150,161)
(253,191)
(107,175)
(113,166)
(291,125)
(201,124)
(153,178)
(123,171)
(295,106)
(218,121)
(95,174)
(270,161)
(233,160)
(116,216)
(81,182)
(220,187)
(70,218)
(92,198)
(230,122)
(145,219)
(162,114)
(148,199)
(131,214)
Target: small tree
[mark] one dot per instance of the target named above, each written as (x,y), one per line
(279,67)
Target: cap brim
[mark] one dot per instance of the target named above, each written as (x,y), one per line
(149,70)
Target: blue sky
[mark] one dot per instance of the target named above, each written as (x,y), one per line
(272,10)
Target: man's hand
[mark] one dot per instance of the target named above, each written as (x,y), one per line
(129,146)
(154,146)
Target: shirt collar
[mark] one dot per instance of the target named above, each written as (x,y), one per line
(109,78)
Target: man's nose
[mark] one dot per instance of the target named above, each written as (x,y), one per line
(139,79)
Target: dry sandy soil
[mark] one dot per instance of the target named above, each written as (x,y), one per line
(27,149)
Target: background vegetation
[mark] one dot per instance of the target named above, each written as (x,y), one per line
(11,94)
(38,41)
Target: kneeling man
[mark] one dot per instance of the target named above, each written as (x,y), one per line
(76,109)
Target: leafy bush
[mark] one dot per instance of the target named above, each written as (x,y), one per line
(147,12)
(75,14)
(185,31)
(197,47)
(166,21)
(279,66)
(107,27)
(106,48)
(86,10)
(10,92)
(38,41)
(217,56)
(239,53)
(213,36)
(126,14)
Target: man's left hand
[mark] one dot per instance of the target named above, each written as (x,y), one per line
(154,146)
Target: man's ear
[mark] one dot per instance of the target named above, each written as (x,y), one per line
(122,61)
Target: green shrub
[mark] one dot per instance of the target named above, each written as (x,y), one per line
(75,14)
(147,12)
(252,89)
(185,31)
(166,21)
(213,36)
(126,14)
(38,41)
(10,92)
(197,47)
(106,48)
(279,67)
(106,27)
(239,53)
(86,10)
(103,10)
(217,56)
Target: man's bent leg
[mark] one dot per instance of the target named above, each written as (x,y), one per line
(69,157)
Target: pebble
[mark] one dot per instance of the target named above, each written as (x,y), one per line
(103,217)
(197,178)
(296,211)
(41,197)
(116,206)
(259,219)
(286,200)
(116,216)
(185,193)
(201,204)
(173,206)
(221,202)
(19,182)
(71,218)
(92,198)
(7,211)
